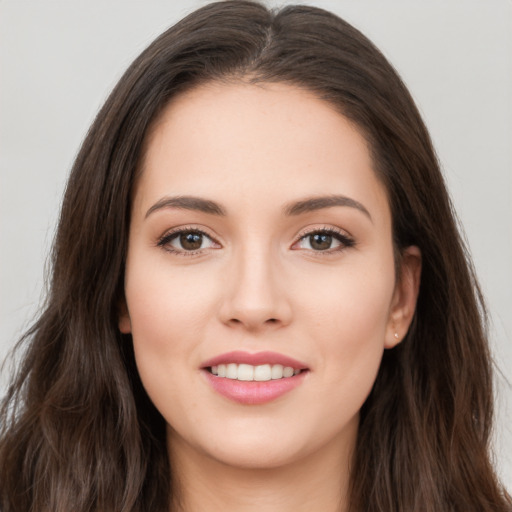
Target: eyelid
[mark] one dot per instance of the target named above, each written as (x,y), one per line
(172,233)
(343,237)
(346,240)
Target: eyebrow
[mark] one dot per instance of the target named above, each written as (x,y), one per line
(318,203)
(291,209)
(188,203)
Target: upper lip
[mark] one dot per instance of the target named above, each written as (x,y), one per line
(255,359)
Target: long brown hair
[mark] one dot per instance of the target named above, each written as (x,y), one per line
(78,431)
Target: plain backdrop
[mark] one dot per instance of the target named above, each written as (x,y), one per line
(60,59)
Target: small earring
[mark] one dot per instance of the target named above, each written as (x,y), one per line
(396,335)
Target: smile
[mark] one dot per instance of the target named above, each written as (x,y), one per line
(260,373)
(253,379)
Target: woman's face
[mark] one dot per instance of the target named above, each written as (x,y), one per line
(260,246)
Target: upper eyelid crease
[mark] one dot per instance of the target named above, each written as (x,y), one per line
(165,239)
(172,233)
(324,229)
(343,237)
(340,235)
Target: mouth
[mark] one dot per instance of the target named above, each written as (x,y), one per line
(248,372)
(253,379)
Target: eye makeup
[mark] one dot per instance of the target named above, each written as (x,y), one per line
(191,241)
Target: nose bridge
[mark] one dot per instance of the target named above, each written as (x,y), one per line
(255,296)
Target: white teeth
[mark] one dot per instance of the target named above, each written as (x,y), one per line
(277,371)
(231,372)
(263,372)
(287,371)
(247,372)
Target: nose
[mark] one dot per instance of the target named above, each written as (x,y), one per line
(255,296)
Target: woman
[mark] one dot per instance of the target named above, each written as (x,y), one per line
(259,297)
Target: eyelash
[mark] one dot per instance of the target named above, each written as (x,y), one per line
(344,240)
(165,240)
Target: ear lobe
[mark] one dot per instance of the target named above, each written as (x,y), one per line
(403,304)
(124,322)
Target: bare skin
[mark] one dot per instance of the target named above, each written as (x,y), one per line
(259,225)
(251,490)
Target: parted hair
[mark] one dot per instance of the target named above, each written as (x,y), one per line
(78,431)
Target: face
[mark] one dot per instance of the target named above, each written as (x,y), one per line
(260,286)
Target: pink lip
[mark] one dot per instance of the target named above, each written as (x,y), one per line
(253,392)
(254,359)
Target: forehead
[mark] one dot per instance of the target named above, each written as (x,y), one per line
(272,141)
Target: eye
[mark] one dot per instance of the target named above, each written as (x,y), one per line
(324,240)
(186,241)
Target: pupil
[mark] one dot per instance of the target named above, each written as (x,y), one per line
(321,242)
(191,241)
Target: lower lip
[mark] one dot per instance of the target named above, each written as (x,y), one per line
(253,392)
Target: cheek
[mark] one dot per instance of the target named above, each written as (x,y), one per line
(164,300)
(349,322)
(168,312)
(353,303)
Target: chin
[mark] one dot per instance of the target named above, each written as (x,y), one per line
(246,448)
(258,457)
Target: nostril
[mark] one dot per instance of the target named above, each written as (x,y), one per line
(251,325)
(269,321)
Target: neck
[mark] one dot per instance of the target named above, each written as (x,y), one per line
(319,481)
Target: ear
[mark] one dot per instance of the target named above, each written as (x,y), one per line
(124,323)
(403,304)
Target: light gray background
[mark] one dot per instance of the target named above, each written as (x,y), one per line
(59,60)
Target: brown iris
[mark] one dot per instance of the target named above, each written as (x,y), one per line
(191,241)
(320,241)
